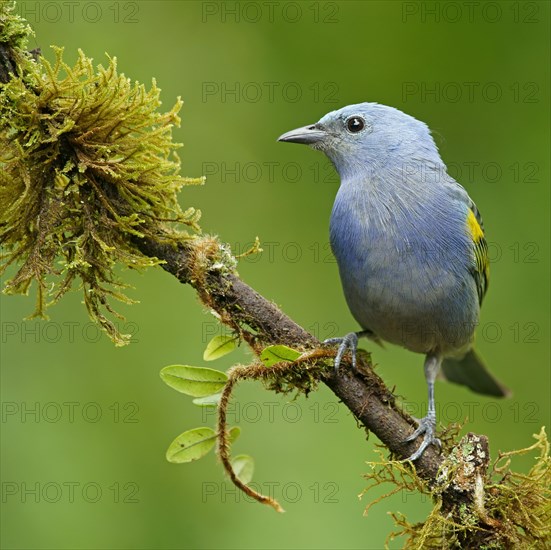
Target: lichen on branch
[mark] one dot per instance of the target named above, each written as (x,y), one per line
(87,164)
(504,509)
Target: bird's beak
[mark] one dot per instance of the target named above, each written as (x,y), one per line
(307,134)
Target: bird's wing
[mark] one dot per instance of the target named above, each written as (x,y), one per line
(481,267)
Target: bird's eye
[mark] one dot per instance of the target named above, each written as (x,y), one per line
(355,124)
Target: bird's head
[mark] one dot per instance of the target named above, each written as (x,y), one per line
(368,136)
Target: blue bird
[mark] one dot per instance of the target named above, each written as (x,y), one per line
(409,243)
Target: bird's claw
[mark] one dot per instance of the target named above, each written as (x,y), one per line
(427,426)
(348,342)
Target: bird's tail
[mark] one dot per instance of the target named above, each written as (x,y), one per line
(471,372)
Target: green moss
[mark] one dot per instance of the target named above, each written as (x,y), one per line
(513,511)
(14,35)
(299,381)
(88,166)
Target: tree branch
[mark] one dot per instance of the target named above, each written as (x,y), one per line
(237,304)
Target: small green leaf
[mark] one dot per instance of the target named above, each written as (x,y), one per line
(234,433)
(191,445)
(243,466)
(194,381)
(274,354)
(208,401)
(219,346)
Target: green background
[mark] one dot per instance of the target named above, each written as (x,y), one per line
(478,76)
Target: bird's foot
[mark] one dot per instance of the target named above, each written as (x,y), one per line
(427,426)
(348,342)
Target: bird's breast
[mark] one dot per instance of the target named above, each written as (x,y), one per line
(405,272)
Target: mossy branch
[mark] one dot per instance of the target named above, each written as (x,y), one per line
(88,181)
(87,164)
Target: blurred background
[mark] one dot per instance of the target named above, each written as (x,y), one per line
(85,425)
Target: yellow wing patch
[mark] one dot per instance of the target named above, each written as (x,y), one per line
(481,271)
(474,227)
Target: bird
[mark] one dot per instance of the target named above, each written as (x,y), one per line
(410,247)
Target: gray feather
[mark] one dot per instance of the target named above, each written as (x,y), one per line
(470,371)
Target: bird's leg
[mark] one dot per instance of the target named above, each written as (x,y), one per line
(348,342)
(427,425)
